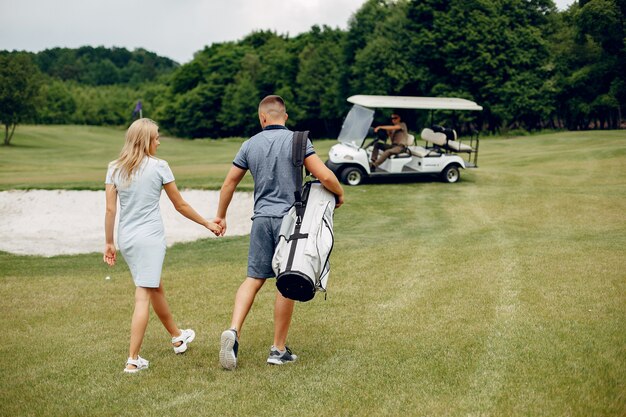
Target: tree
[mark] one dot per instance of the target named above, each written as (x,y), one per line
(102,66)
(102,72)
(492,52)
(529,65)
(195,112)
(19,91)
(362,25)
(58,104)
(187,77)
(603,21)
(590,61)
(319,81)
(238,115)
(278,65)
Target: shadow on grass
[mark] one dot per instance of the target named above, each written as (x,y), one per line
(19,146)
(411,179)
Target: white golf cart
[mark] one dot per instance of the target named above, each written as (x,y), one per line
(349,159)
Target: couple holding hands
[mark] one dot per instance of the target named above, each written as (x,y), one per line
(137,177)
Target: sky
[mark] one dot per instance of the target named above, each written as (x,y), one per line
(172,28)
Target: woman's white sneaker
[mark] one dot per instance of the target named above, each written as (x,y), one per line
(139,365)
(186,337)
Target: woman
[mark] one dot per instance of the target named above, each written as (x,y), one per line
(137,178)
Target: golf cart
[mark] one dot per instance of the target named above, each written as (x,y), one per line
(440,155)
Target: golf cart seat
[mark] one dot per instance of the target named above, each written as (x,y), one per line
(406,153)
(459,147)
(410,140)
(445,138)
(436,138)
(422,152)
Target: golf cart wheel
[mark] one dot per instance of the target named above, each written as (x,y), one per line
(352,176)
(451,174)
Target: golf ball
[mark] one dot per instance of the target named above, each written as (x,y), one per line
(108,277)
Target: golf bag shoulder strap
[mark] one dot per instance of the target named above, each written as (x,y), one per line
(298,147)
(298,152)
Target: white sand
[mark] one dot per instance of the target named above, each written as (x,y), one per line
(49,223)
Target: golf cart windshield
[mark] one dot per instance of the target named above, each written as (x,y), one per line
(356,125)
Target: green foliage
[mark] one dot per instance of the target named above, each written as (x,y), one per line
(195,112)
(603,21)
(273,64)
(103,66)
(590,63)
(20,81)
(321,68)
(197,91)
(238,114)
(107,105)
(383,65)
(482,50)
(97,86)
(362,25)
(530,66)
(187,77)
(57,103)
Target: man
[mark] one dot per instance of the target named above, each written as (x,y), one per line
(268,157)
(398,133)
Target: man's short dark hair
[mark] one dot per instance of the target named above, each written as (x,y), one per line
(273,102)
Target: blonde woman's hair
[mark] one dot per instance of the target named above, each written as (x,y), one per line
(136,148)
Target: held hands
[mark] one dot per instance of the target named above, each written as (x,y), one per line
(215,228)
(109,254)
(221,222)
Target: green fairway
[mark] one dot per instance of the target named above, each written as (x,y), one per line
(501,295)
(76,157)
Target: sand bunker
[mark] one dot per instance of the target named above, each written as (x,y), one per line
(49,223)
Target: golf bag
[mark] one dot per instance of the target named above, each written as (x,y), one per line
(301,260)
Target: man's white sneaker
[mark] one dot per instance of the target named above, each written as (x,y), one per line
(229,346)
(278,357)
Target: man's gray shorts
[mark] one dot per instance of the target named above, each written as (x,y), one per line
(263,241)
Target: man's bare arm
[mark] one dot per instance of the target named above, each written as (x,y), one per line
(233,178)
(316,167)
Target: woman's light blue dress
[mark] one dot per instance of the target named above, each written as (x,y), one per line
(141,236)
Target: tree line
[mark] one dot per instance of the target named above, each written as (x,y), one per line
(529,65)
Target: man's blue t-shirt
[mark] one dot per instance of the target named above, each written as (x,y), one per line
(268,157)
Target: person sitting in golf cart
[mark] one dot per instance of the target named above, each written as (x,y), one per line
(398,133)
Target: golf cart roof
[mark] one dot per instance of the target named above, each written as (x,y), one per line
(407,102)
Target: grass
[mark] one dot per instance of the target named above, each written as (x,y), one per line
(75,157)
(501,295)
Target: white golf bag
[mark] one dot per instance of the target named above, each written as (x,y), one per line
(302,257)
